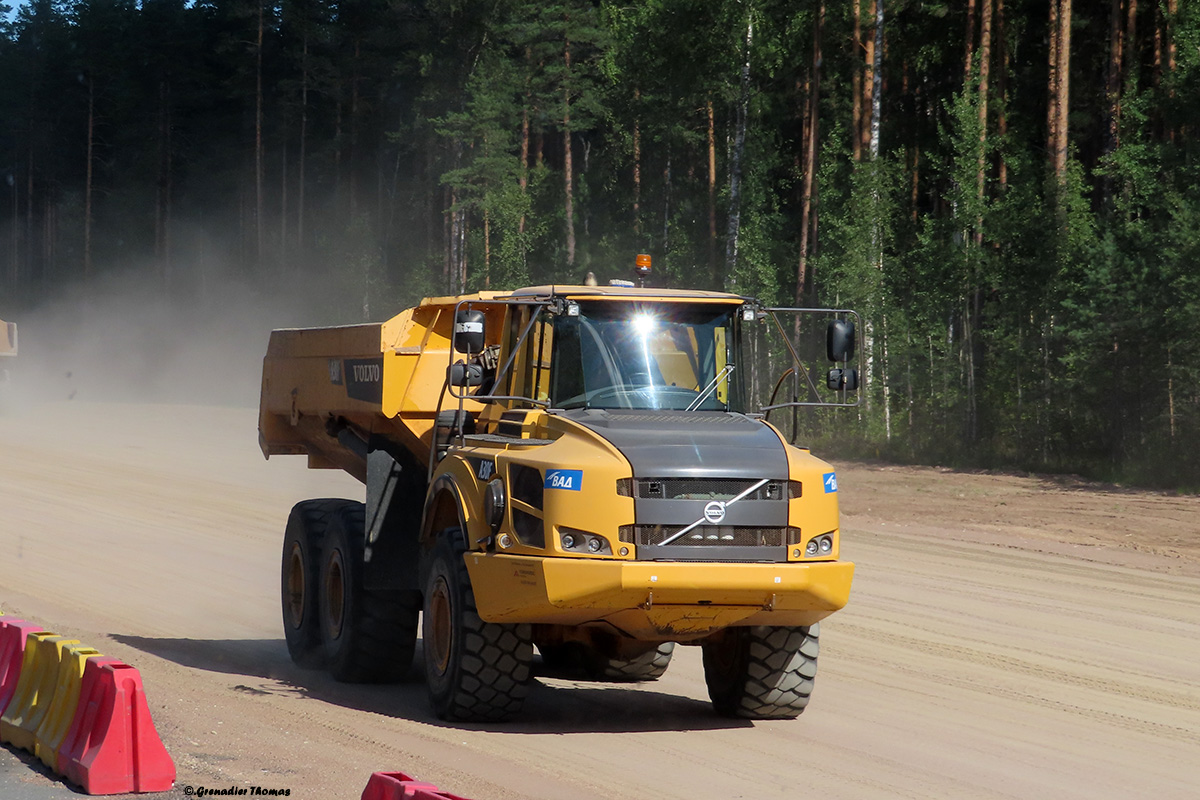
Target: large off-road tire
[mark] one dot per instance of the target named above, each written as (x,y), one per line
(368,636)
(648,666)
(762,672)
(299,577)
(476,671)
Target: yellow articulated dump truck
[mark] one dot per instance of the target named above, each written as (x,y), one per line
(580,469)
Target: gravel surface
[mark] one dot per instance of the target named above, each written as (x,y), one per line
(1007,636)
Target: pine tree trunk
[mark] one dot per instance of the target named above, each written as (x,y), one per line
(258,143)
(985,56)
(87,191)
(447,239)
(1064,90)
(810,155)
(283,205)
(856,86)
(28,238)
(712,196)
(1169,26)
(338,143)
(463,226)
(568,182)
(14,265)
(1112,87)
(1130,50)
(876,232)
(870,64)
(1158,45)
(735,167)
(1002,90)
(915,197)
(1169,33)
(637,167)
(352,155)
(487,250)
(666,233)
(1052,88)
(303,147)
(523,180)
(162,205)
(876,80)
(969,49)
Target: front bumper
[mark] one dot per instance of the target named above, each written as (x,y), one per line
(657,599)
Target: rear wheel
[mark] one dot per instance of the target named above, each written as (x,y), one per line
(475,670)
(299,577)
(761,672)
(368,636)
(648,666)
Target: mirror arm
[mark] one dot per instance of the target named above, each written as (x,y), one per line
(795,356)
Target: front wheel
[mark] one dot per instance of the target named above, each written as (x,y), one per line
(476,671)
(761,672)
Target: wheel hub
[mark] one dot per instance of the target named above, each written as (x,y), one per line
(441,626)
(295,586)
(335,587)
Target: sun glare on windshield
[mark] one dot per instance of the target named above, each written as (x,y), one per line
(644,324)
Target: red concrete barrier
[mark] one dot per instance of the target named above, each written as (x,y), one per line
(398,786)
(13,634)
(112,746)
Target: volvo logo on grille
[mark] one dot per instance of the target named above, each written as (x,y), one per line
(714,512)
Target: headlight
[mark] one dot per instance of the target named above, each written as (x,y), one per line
(493,503)
(575,541)
(819,546)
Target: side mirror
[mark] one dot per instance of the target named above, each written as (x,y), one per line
(842,380)
(468,331)
(839,340)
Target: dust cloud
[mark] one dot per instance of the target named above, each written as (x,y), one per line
(114,340)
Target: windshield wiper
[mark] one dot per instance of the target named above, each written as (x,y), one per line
(725,372)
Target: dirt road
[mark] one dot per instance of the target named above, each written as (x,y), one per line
(1007,637)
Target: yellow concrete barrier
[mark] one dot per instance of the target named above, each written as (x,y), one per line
(57,721)
(35,689)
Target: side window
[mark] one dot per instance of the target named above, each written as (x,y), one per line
(531,367)
(568,363)
(721,352)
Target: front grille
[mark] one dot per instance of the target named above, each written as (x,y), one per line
(710,489)
(709,535)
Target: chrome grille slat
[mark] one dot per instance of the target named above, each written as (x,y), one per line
(705,489)
(711,536)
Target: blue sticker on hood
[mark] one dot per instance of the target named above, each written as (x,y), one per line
(570,479)
(830,479)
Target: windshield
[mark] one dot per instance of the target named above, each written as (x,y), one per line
(647,356)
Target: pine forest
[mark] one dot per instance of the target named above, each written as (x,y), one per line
(1007,191)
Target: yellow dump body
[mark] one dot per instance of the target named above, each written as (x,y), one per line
(383,379)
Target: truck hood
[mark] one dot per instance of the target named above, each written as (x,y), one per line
(696,444)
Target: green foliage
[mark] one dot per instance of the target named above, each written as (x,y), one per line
(376,151)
